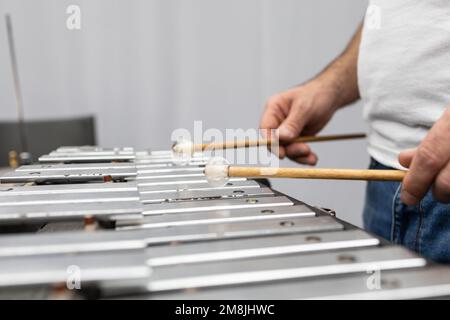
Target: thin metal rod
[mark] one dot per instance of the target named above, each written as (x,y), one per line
(18,92)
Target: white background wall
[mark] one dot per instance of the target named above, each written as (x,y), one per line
(147,67)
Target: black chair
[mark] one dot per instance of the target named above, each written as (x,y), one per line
(44,136)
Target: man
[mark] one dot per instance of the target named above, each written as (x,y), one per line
(400,68)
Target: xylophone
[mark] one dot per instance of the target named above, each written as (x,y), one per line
(89,222)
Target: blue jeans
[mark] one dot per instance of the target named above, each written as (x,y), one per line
(424,228)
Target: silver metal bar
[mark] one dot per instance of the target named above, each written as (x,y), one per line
(82,242)
(199,180)
(420,283)
(196,186)
(85,159)
(241,230)
(67,188)
(78,166)
(170,170)
(66,211)
(66,176)
(257,247)
(125,222)
(188,195)
(124,267)
(213,205)
(75,149)
(61,198)
(181,175)
(150,168)
(91,153)
(261,270)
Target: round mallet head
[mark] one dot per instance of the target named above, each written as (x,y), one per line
(182,151)
(216,172)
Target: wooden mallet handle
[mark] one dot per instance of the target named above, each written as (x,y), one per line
(301,173)
(266,142)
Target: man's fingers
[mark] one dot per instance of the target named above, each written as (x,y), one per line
(431,157)
(275,112)
(279,151)
(270,120)
(424,168)
(311,159)
(405,158)
(297,150)
(293,125)
(441,188)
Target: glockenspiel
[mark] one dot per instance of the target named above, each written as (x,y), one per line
(121,223)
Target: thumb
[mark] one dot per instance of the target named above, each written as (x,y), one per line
(405,158)
(293,125)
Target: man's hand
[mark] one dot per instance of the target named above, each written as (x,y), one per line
(429,165)
(304,110)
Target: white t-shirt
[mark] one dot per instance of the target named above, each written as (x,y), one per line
(403,73)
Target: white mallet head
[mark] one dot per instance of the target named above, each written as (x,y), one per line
(182,151)
(216,172)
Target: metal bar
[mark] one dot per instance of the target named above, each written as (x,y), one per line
(241,230)
(169,170)
(82,242)
(66,211)
(17,88)
(144,182)
(61,198)
(213,205)
(125,222)
(197,186)
(65,176)
(257,247)
(124,267)
(188,195)
(67,188)
(263,270)
(85,159)
(394,284)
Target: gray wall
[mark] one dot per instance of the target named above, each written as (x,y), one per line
(147,67)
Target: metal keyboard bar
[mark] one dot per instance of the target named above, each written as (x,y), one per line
(66,211)
(198,180)
(178,175)
(213,205)
(61,198)
(196,187)
(220,216)
(47,270)
(85,159)
(67,188)
(188,195)
(241,230)
(77,242)
(170,170)
(66,176)
(395,284)
(257,247)
(262,270)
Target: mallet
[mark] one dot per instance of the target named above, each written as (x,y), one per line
(218,172)
(184,149)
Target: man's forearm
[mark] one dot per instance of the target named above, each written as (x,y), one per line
(341,75)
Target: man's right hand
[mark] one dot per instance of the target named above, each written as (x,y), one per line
(300,111)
